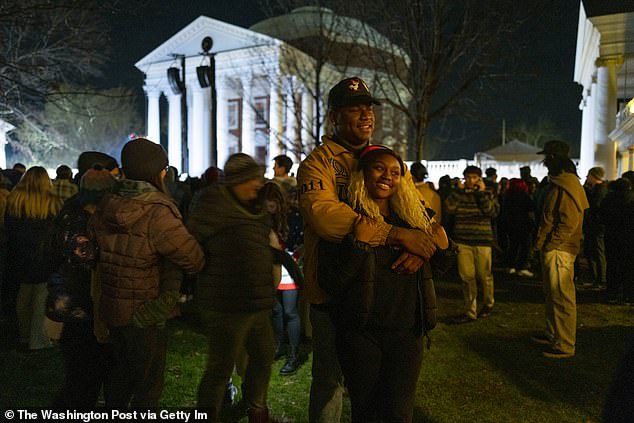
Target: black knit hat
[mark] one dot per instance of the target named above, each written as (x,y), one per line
(241,167)
(143,159)
(350,92)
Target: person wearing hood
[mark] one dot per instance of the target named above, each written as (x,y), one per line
(559,241)
(143,247)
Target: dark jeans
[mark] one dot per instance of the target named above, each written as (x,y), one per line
(518,249)
(285,310)
(380,369)
(228,335)
(620,272)
(595,253)
(88,365)
(137,375)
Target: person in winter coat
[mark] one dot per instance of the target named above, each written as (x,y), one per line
(617,214)
(87,362)
(518,221)
(380,314)
(559,241)
(143,246)
(28,216)
(235,290)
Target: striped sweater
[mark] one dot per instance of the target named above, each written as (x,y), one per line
(473,211)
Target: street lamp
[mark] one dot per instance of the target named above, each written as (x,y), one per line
(207,78)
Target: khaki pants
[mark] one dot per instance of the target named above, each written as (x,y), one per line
(474,268)
(561,302)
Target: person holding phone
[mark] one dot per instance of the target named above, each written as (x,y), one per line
(473,208)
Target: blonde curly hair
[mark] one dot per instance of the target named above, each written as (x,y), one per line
(405,202)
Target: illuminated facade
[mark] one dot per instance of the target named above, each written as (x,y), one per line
(266,90)
(604,66)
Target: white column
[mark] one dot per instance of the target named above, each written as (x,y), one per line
(153,116)
(586,156)
(275,120)
(199,141)
(222,116)
(291,120)
(248,119)
(175,136)
(605,113)
(307,123)
(4,128)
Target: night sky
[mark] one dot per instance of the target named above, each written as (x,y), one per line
(546,90)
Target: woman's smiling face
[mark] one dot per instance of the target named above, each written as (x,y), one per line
(383,176)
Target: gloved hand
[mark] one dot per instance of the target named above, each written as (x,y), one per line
(155,312)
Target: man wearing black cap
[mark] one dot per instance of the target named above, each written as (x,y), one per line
(323,179)
(559,240)
(235,289)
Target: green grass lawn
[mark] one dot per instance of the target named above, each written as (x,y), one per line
(485,371)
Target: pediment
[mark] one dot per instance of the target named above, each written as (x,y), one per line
(187,41)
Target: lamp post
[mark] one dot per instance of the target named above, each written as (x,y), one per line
(207,78)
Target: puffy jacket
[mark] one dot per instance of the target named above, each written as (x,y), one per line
(238,276)
(136,230)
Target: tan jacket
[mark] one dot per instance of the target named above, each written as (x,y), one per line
(432,199)
(322,183)
(561,219)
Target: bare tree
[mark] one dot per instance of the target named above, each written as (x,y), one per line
(316,57)
(46,44)
(445,54)
(73,123)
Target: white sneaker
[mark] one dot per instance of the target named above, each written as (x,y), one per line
(510,270)
(525,273)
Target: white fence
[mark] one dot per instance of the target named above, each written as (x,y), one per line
(454,168)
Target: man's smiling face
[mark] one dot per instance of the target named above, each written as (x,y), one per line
(354,124)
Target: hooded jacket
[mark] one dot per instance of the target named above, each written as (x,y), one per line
(136,231)
(561,220)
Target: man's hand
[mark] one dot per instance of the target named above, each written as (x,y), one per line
(407,263)
(364,228)
(414,241)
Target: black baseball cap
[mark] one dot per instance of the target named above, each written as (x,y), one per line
(556,148)
(350,92)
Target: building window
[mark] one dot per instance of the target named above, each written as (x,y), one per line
(233,114)
(261,106)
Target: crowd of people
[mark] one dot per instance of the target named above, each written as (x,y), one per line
(344,255)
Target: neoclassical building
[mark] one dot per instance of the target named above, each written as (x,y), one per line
(270,99)
(604,66)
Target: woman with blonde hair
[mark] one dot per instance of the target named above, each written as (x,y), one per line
(29,214)
(380,315)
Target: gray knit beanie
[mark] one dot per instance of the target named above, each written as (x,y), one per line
(241,167)
(143,159)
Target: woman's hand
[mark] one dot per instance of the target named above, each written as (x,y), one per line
(364,228)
